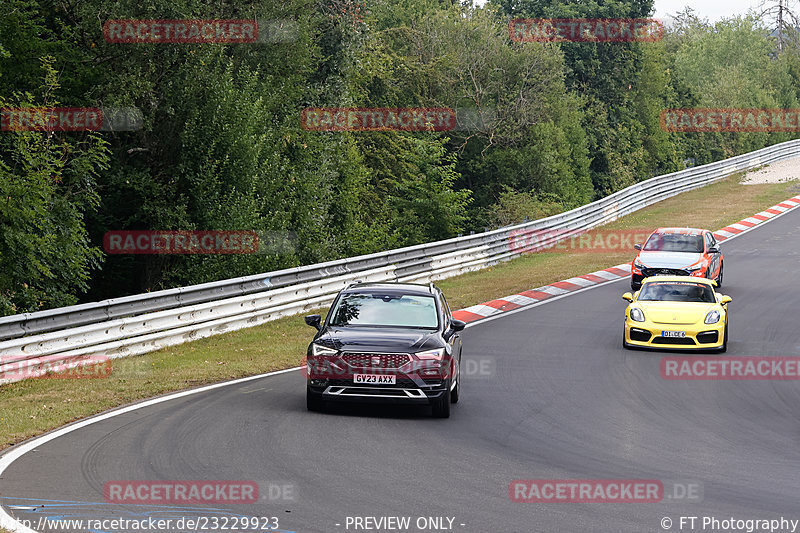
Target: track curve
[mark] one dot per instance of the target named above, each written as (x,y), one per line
(558,398)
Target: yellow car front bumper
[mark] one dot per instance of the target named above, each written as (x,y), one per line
(698,336)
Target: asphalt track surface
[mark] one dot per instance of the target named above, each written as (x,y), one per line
(557,398)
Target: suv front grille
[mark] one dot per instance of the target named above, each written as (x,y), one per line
(401,383)
(375,360)
(647,272)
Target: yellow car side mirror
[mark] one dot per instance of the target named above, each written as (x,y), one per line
(627,297)
(724,299)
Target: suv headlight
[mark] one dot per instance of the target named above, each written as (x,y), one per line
(438,353)
(318,349)
(694,268)
(636,314)
(712,317)
(638,264)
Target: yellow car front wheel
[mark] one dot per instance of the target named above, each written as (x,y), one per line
(724,347)
(624,342)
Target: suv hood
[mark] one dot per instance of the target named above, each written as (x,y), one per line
(380,339)
(669,259)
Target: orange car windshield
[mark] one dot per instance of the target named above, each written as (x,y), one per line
(674,242)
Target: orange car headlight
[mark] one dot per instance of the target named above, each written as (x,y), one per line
(695,269)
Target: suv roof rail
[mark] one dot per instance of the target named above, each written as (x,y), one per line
(433,289)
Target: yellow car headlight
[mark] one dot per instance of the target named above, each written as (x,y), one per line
(636,314)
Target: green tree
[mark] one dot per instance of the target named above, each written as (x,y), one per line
(47,184)
(730,65)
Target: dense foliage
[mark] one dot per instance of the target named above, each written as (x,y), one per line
(221,145)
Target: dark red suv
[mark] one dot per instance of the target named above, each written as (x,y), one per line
(386,342)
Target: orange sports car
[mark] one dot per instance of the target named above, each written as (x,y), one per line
(678,252)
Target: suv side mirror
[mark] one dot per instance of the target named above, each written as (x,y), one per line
(725,299)
(628,297)
(314,321)
(713,250)
(637,246)
(457,325)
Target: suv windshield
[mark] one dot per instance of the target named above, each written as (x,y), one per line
(672,291)
(674,242)
(381,309)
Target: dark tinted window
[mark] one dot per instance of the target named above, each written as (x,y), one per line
(446,307)
(445,313)
(382,309)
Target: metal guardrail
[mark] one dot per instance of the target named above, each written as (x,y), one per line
(137,324)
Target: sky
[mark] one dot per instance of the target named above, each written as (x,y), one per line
(713,10)
(710,9)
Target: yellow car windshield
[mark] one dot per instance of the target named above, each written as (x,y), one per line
(677,291)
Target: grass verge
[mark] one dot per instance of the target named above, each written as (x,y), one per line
(35,406)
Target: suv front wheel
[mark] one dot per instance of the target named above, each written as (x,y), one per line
(441,407)
(314,401)
(457,389)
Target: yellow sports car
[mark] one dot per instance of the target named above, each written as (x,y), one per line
(681,312)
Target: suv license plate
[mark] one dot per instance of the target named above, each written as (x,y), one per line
(679,334)
(375,379)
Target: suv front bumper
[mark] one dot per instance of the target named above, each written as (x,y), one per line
(404,392)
